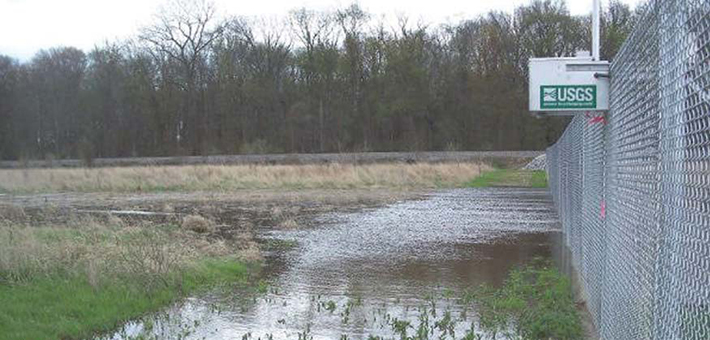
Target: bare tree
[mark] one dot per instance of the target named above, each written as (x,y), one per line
(338,82)
(351,20)
(311,28)
(184,31)
(8,87)
(316,31)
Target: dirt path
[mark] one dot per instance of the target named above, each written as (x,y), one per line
(325,158)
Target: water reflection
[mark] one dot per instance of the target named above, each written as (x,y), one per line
(378,272)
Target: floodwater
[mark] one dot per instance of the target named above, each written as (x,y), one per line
(377,272)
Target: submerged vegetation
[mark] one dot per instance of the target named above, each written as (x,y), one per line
(510,178)
(71,279)
(220,178)
(534,303)
(70,275)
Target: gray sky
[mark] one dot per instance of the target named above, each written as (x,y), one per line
(27,26)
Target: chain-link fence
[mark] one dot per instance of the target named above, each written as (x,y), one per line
(632,187)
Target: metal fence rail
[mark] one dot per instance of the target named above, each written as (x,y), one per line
(633,187)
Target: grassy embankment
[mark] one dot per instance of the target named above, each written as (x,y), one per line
(70,280)
(510,178)
(236,177)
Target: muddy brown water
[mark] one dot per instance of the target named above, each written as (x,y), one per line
(376,272)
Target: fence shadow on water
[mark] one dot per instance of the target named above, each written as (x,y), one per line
(632,187)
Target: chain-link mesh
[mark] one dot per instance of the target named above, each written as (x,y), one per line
(633,188)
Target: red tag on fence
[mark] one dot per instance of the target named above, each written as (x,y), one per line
(599,118)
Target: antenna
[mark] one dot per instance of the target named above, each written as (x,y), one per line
(569,86)
(595,29)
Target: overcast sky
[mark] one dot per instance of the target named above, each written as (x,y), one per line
(27,26)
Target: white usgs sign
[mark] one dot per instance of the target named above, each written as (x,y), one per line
(565,86)
(568,96)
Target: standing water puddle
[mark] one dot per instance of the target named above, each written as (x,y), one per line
(378,272)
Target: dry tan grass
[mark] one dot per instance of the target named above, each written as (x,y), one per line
(211,177)
(197,224)
(12,212)
(250,253)
(285,217)
(106,248)
(289,223)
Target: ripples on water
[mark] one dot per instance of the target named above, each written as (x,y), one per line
(380,268)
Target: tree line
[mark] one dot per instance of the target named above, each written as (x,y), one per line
(336,81)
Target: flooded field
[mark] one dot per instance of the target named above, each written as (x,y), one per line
(390,272)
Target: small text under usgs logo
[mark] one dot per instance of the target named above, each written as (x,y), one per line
(568,96)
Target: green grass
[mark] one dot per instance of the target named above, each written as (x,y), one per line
(510,178)
(538,179)
(69,307)
(536,301)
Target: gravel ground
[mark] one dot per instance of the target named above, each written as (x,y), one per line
(538,163)
(322,158)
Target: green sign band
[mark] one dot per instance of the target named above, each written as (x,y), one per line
(568,97)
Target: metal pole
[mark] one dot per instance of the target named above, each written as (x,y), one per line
(595,30)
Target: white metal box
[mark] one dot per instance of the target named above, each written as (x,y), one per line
(565,86)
